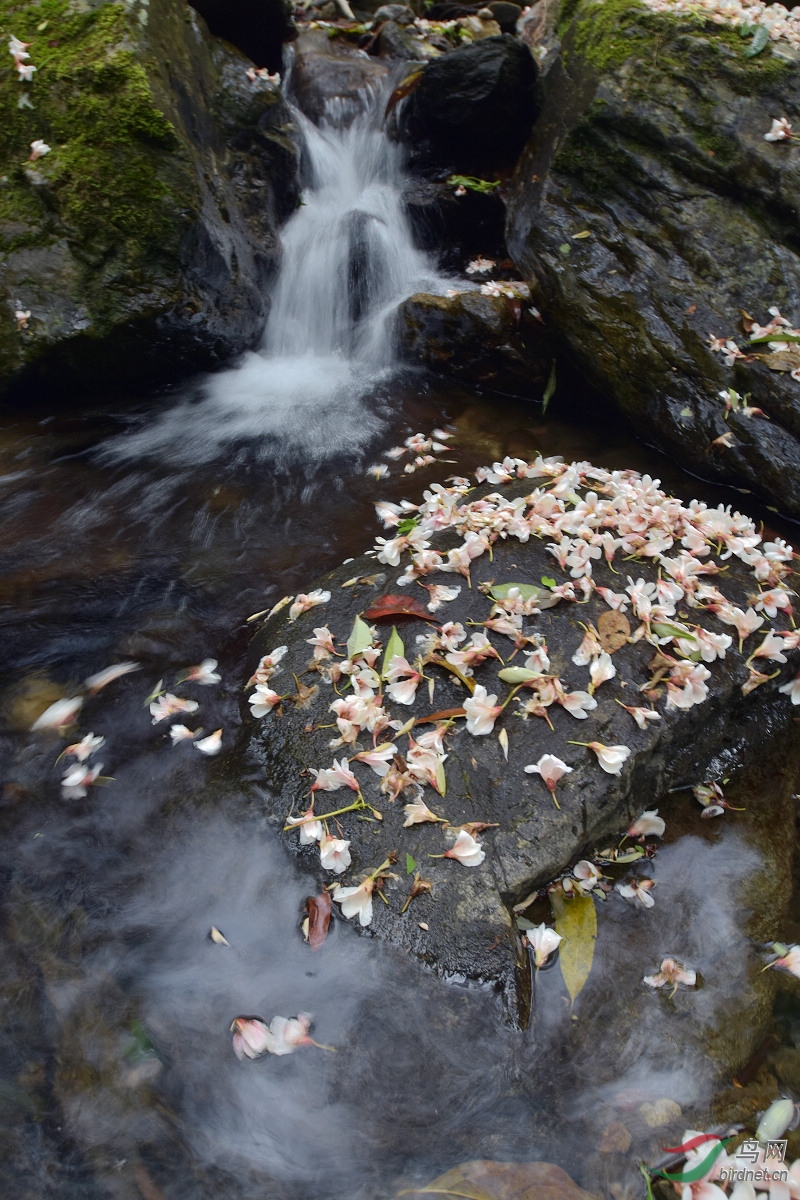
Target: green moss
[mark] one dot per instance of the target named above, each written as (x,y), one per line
(604,33)
(114,181)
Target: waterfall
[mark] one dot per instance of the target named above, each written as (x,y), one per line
(348,260)
(348,252)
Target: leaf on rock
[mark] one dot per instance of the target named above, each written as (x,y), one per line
(613,629)
(393,647)
(528,591)
(319,918)
(388,606)
(487,1180)
(759,42)
(360,638)
(576,921)
(444,714)
(518,674)
(410,864)
(781,360)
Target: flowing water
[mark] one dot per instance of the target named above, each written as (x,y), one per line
(149,530)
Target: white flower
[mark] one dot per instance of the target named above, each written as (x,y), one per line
(17,48)
(779,130)
(38,150)
(77,779)
(792,689)
(550,768)
(543,941)
(334,854)
(204,673)
(648,823)
(25,71)
(601,669)
(638,889)
(610,758)
(356,901)
(210,745)
(466,850)
(102,679)
(310,830)
(303,602)
(60,715)
(482,711)
(263,700)
(418,813)
(22,316)
(84,748)
(330,779)
(180,733)
(480,264)
(168,705)
(672,972)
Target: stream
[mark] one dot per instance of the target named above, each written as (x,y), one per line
(149,529)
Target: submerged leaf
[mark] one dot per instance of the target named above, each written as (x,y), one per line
(487,1180)
(576,921)
(360,638)
(319,918)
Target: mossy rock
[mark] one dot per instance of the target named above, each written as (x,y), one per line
(651,145)
(142,243)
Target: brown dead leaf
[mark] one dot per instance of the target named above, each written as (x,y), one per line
(304,694)
(613,629)
(691,309)
(487,1180)
(781,360)
(747,321)
(319,919)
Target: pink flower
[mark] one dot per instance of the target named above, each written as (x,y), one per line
(263,700)
(403,680)
(330,779)
(77,779)
(671,972)
(168,705)
(251,1037)
(310,830)
(779,131)
(418,813)
(322,642)
(551,769)
(379,758)
(303,602)
(482,711)
(638,889)
(203,673)
(84,748)
(466,850)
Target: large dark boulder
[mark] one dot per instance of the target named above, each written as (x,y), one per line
(142,245)
(469,928)
(647,210)
(332,69)
(472,109)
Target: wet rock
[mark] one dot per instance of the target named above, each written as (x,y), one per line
(259,28)
(467,928)
(400,14)
(488,340)
(332,70)
(472,109)
(506,14)
(394,41)
(651,144)
(456,228)
(143,242)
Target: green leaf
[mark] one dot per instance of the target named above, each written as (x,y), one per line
(549,582)
(778,336)
(551,385)
(441,779)
(393,647)
(565,248)
(528,591)
(405,526)
(576,921)
(629,856)
(360,638)
(665,629)
(518,675)
(759,42)
(472,183)
(410,864)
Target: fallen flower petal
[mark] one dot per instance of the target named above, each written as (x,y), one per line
(638,889)
(466,850)
(649,824)
(84,748)
(168,705)
(418,813)
(542,941)
(180,733)
(203,673)
(102,679)
(210,745)
(356,901)
(38,150)
(671,972)
(60,715)
(334,853)
(251,1037)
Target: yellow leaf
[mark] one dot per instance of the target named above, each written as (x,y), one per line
(576,921)
(583,234)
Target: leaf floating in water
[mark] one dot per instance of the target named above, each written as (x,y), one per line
(614,629)
(319,918)
(360,638)
(218,937)
(576,921)
(487,1180)
(391,605)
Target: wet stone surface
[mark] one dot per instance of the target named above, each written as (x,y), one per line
(469,925)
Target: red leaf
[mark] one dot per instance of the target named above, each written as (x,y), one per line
(444,714)
(319,918)
(390,607)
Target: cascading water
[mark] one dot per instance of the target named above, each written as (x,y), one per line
(348,260)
